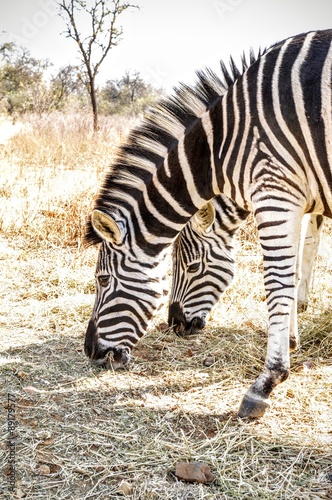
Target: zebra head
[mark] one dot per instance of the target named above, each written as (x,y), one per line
(128,291)
(203,264)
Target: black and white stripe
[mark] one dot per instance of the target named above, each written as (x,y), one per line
(263,139)
(203,264)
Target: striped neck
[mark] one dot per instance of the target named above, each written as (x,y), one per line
(156,186)
(173,162)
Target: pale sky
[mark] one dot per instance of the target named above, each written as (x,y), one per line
(167,40)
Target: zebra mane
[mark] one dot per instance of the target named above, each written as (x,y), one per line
(163,125)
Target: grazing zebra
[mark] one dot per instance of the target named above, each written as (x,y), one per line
(203,263)
(260,136)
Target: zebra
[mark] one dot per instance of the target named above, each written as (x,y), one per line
(203,263)
(260,136)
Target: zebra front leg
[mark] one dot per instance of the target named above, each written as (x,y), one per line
(279,234)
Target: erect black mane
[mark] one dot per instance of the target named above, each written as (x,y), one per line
(160,130)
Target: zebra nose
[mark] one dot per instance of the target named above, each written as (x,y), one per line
(96,355)
(196,325)
(176,318)
(89,339)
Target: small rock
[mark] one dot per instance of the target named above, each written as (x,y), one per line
(47,442)
(195,472)
(44,470)
(84,472)
(43,435)
(20,493)
(209,361)
(31,389)
(125,488)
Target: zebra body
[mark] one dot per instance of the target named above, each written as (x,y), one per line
(263,139)
(203,263)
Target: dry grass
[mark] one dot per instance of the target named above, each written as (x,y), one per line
(58,139)
(50,171)
(83,431)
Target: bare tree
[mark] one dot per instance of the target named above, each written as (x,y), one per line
(93,48)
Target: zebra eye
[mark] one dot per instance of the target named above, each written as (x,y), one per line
(103,280)
(193,267)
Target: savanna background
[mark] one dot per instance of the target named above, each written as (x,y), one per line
(86,433)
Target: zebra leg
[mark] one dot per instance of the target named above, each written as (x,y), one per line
(312,225)
(310,244)
(279,234)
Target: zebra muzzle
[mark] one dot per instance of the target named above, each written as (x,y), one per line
(118,358)
(180,325)
(196,325)
(176,318)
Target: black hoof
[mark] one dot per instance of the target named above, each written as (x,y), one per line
(252,408)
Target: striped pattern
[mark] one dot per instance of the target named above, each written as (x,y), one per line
(126,299)
(203,265)
(261,137)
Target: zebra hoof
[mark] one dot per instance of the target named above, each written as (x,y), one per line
(252,408)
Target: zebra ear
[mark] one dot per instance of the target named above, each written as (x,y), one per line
(205,217)
(106,227)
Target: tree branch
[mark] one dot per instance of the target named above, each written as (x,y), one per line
(104,33)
